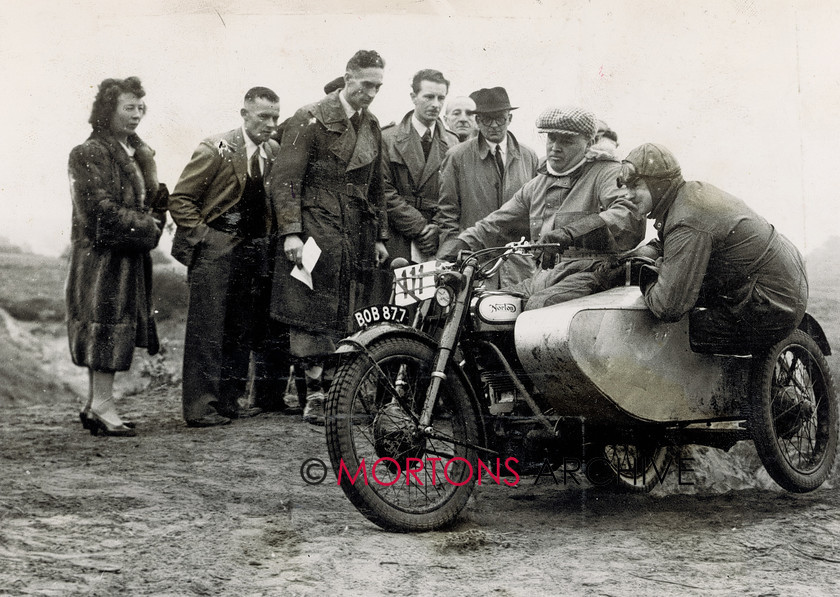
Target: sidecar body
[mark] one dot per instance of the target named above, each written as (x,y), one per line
(605,357)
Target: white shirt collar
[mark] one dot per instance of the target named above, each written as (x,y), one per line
(502,145)
(251,147)
(567,172)
(348,109)
(420,127)
(128,149)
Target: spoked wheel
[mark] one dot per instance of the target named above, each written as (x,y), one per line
(629,468)
(407,478)
(793,413)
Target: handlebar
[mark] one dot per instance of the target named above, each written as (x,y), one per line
(486,268)
(520,247)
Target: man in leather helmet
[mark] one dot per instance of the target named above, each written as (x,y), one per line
(742,282)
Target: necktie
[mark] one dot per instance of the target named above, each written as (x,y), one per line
(355,120)
(500,162)
(256,173)
(426,142)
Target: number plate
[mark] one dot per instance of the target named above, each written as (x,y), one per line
(379,314)
(414,283)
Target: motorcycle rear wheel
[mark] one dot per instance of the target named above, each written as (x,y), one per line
(400,485)
(793,413)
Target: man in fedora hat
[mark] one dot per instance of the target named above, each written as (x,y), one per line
(479,175)
(573,205)
(605,143)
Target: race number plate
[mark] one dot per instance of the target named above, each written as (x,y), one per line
(380,313)
(414,283)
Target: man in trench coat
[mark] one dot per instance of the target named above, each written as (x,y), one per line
(327,186)
(480,175)
(415,149)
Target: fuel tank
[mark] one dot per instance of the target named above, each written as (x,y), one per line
(605,357)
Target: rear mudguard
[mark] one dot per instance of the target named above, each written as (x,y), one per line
(366,337)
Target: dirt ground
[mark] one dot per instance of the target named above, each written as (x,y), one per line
(225,511)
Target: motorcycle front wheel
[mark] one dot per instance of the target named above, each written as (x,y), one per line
(793,413)
(400,476)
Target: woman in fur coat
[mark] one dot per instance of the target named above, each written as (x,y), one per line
(118,214)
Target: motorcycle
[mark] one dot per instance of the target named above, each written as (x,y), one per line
(452,385)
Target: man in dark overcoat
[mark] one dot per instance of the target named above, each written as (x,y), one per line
(224,223)
(415,149)
(327,186)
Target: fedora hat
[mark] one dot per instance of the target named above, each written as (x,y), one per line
(494,99)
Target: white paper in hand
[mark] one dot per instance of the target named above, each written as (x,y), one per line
(311,253)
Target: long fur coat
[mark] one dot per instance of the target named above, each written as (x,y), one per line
(115,225)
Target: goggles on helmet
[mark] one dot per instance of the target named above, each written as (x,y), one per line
(628,175)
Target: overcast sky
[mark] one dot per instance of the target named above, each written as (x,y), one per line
(745,93)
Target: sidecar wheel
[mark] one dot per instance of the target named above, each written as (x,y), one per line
(628,468)
(405,480)
(792,413)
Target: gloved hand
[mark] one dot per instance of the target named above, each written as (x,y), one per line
(648,275)
(611,274)
(427,240)
(550,255)
(449,250)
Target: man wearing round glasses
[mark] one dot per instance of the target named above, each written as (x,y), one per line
(479,175)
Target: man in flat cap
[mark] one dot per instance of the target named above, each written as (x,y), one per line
(478,176)
(415,149)
(574,205)
(742,283)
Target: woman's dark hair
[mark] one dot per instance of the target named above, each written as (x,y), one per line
(105,103)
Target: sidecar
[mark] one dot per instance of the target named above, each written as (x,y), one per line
(605,359)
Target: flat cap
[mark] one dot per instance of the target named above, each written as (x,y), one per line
(567,119)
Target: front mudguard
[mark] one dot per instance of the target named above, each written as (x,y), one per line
(367,336)
(358,343)
(810,326)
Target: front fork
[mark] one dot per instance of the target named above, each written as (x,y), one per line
(446,345)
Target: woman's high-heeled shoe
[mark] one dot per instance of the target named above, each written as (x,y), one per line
(98,426)
(83,417)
